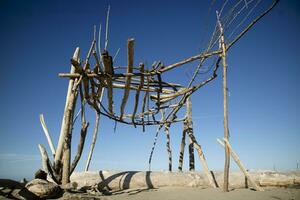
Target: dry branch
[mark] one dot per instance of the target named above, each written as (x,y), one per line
(47,164)
(46,131)
(93,142)
(80,146)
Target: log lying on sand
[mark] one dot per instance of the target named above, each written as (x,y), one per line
(110,180)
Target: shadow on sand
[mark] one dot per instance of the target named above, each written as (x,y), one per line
(124,183)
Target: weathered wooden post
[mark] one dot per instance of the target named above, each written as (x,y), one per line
(167,132)
(225,105)
(182,146)
(190,129)
(64,144)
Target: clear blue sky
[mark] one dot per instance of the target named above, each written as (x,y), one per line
(38,39)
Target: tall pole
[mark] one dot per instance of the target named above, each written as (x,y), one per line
(64,144)
(225,105)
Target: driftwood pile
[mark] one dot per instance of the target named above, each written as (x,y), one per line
(94,80)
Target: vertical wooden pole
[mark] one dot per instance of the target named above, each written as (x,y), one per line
(167,131)
(225,105)
(190,129)
(182,146)
(64,144)
(65,120)
(67,142)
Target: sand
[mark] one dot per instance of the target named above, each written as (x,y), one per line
(179,193)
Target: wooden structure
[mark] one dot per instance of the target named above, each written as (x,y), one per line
(96,78)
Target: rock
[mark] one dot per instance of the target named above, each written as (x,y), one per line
(22,194)
(43,188)
(40,174)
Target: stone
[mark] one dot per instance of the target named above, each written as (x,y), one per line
(40,174)
(43,188)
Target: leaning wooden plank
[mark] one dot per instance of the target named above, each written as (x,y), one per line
(137,94)
(211,179)
(130,55)
(240,164)
(108,69)
(46,131)
(66,120)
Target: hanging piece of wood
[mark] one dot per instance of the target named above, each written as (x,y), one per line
(137,94)
(130,56)
(108,69)
(46,131)
(239,163)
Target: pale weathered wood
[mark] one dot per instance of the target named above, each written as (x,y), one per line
(65,120)
(80,146)
(46,131)
(96,128)
(68,137)
(47,166)
(106,29)
(168,144)
(182,146)
(239,163)
(203,161)
(130,56)
(189,124)
(225,106)
(137,94)
(191,59)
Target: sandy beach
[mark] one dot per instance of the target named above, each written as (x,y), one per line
(178,193)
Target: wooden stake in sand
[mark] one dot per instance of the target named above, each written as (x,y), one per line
(240,164)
